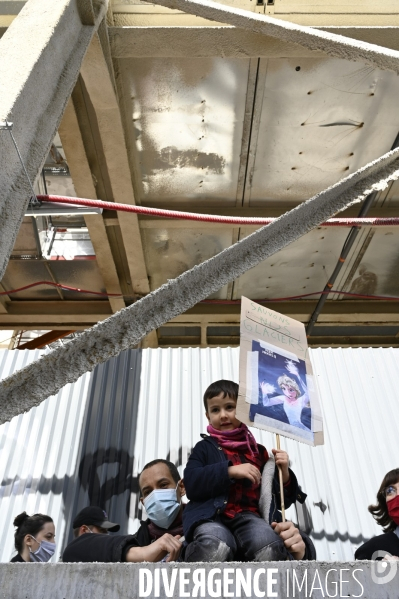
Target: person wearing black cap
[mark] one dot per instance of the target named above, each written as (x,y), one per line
(97,518)
(92,543)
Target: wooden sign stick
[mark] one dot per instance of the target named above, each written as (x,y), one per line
(280,477)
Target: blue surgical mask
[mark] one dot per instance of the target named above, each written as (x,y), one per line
(44,553)
(162,506)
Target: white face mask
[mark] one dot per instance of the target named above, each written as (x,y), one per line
(44,553)
(162,506)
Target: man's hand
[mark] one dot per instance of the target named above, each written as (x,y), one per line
(245,471)
(291,537)
(281,458)
(157,550)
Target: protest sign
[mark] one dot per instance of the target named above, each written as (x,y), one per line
(277,391)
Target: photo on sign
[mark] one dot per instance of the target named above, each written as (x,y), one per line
(278,391)
(281,388)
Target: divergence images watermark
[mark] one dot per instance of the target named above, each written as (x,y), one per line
(249,582)
(384,570)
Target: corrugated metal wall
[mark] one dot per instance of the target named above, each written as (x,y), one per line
(89,443)
(38,453)
(106,452)
(360,402)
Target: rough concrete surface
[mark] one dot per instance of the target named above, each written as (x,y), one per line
(92,12)
(32,384)
(313,39)
(226,41)
(131,581)
(40,57)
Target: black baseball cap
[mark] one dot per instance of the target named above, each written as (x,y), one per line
(95,516)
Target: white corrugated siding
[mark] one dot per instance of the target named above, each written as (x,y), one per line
(360,403)
(148,404)
(38,453)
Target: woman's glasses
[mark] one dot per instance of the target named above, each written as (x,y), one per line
(391,491)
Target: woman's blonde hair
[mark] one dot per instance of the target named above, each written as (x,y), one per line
(286,380)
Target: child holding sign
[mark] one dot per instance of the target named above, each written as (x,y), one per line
(222,521)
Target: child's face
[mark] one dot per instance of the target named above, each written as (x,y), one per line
(222,413)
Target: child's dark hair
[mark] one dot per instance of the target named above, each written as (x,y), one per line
(28,525)
(226,387)
(380,510)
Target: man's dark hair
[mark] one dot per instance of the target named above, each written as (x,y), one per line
(380,510)
(172,469)
(28,525)
(229,388)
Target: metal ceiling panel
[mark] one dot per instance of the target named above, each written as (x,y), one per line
(187,117)
(374,267)
(60,186)
(170,252)
(321,120)
(82,274)
(25,243)
(25,272)
(301,267)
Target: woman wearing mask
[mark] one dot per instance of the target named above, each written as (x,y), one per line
(34,538)
(386,513)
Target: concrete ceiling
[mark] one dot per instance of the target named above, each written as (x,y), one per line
(172,111)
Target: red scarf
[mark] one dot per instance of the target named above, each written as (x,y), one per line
(240,439)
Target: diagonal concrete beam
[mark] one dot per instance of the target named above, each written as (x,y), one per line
(227,41)
(40,57)
(312,39)
(30,385)
(131,42)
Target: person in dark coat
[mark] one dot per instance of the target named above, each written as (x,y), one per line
(386,514)
(157,539)
(233,487)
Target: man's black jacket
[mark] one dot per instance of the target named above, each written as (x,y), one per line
(105,548)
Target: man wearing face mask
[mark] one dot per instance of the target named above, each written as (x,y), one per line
(157,538)
(162,489)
